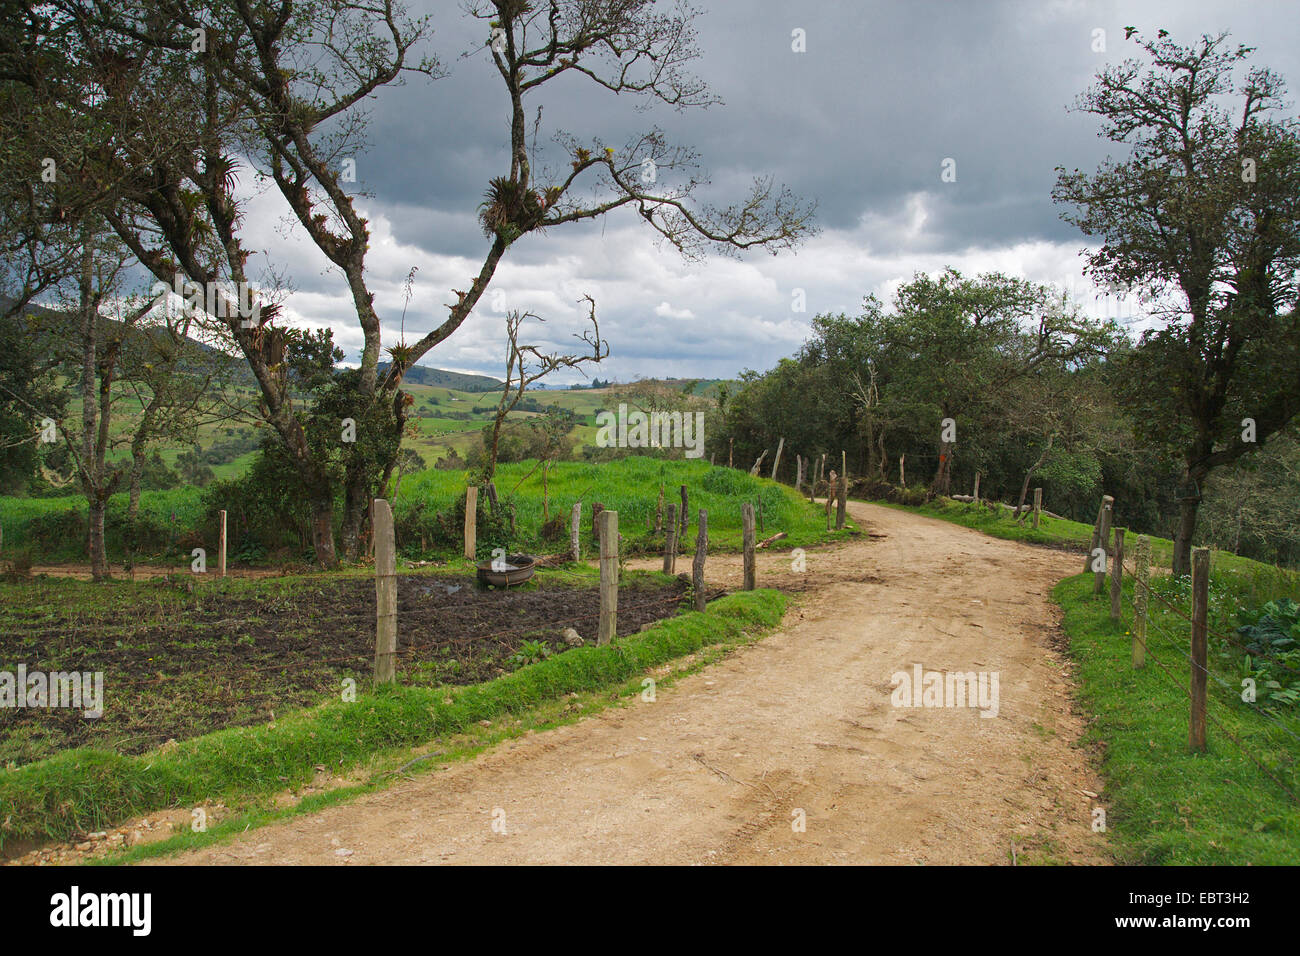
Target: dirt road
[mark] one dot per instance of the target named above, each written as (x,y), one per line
(724,765)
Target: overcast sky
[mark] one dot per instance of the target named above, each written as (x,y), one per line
(860,123)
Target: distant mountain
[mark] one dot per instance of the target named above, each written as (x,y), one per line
(61,323)
(441,378)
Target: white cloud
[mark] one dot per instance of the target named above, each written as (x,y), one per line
(668,312)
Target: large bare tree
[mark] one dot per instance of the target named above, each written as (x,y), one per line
(278,86)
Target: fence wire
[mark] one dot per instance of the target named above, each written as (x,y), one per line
(1174,642)
(309,678)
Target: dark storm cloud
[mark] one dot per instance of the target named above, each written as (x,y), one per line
(861,123)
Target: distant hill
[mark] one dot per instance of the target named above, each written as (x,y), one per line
(441,378)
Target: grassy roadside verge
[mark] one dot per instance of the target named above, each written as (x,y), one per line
(1059,533)
(383,769)
(87,789)
(1166,805)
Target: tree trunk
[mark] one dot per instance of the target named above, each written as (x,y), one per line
(322,531)
(490,465)
(943,475)
(1183,535)
(132,511)
(1029,475)
(1193,481)
(356,505)
(95,539)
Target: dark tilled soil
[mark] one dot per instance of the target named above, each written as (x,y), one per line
(228,661)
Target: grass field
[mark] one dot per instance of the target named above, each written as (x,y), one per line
(1235,804)
(630,486)
(54,528)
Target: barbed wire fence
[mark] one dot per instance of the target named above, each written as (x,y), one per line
(1143,626)
(229,696)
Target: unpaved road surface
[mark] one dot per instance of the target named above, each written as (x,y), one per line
(800,725)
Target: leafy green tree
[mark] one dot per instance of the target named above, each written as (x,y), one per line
(280,85)
(1202,217)
(29,393)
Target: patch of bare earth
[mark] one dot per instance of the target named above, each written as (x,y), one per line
(724,762)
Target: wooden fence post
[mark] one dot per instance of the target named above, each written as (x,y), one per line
(1142,559)
(1200,658)
(685,513)
(608,628)
(747,525)
(1099,582)
(776,462)
(385,594)
(659,511)
(670,541)
(841,511)
(697,568)
(221,547)
(731,451)
(1038,506)
(976,493)
(1106,502)
(902,482)
(1117,576)
(575,527)
(471,522)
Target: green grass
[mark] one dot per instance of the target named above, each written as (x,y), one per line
(54,528)
(630,486)
(1166,804)
(86,789)
(1066,534)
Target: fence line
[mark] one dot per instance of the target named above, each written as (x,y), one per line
(1199,669)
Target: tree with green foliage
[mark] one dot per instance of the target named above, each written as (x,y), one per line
(281,85)
(1202,217)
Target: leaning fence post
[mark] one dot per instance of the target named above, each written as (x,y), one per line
(471,522)
(385,594)
(1142,559)
(747,525)
(776,462)
(221,547)
(697,568)
(1200,659)
(608,627)
(1106,501)
(1103,535)
(1038,506)
(1117,576)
